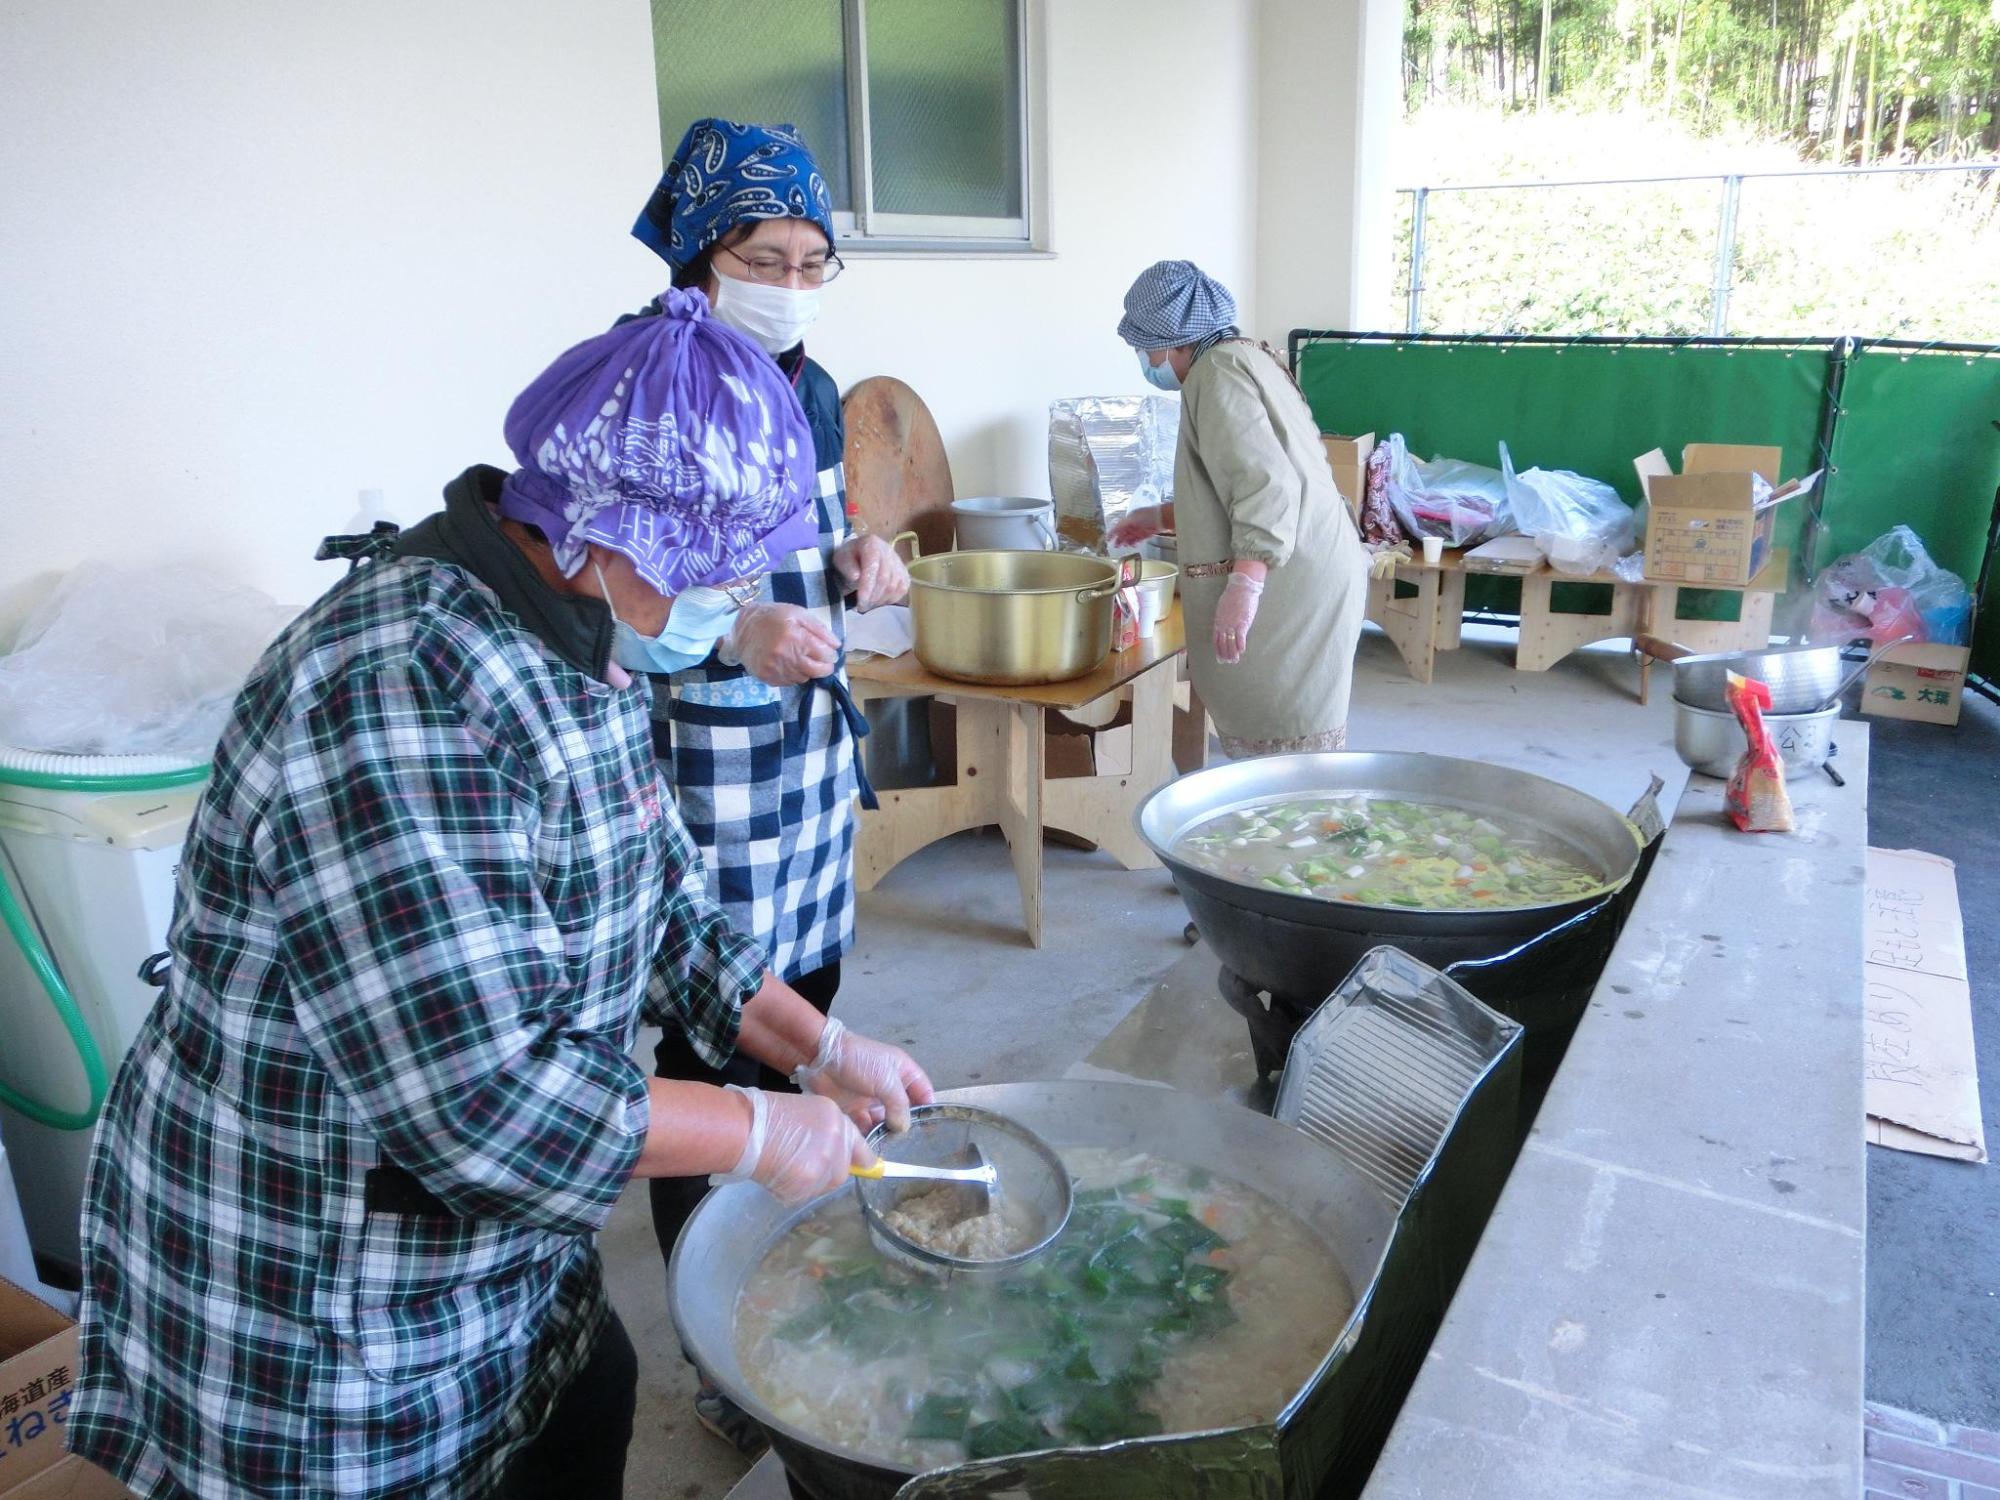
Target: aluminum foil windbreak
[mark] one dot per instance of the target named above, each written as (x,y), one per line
(1109,455)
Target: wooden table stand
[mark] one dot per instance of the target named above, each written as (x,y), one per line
(1002,778)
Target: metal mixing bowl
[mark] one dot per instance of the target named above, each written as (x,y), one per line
(1712,743)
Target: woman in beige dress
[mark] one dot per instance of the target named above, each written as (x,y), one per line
(1274,577)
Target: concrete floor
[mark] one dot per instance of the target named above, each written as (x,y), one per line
(1934,1225)
(944,968)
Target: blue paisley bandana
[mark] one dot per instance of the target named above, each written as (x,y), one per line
(724,174)
(673,440)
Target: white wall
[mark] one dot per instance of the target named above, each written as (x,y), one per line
(262,257)
(1152,142)
(1329,84)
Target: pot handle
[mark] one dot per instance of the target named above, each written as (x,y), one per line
(1099,591)
(916,547)
(1582,918)
(1658,649)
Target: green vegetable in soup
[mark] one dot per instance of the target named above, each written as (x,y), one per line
(1091,1322)
(1390,852)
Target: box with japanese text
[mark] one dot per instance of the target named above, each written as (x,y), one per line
(1348,458)
(1712,522)
(37,1367)
(1924,682)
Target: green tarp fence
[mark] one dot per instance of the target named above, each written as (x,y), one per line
(1905,433)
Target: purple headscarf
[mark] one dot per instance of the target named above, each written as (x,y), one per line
(674,440)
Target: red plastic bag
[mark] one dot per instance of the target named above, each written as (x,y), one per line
(1756,797)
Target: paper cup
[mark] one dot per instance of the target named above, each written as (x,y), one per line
(1433,551)
(1149,612)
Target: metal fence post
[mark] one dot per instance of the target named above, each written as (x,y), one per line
(1725,256)
(1419,197)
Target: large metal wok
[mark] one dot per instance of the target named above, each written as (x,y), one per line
(727,1236)
(1300,947)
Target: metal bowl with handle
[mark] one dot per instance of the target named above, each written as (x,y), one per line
(729,1234)
(1012,618)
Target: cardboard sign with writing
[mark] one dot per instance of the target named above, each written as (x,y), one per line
(1920,1079)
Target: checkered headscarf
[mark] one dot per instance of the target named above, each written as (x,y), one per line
(1175,302)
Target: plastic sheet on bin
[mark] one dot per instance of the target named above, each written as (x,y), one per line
(134,662)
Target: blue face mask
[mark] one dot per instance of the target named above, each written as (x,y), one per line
(697,619)
(1161,374)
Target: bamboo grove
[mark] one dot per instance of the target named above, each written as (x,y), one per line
(1863,81)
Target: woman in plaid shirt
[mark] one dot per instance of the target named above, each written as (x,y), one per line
(339,1233)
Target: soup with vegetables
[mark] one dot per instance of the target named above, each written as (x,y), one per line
(1174,1301)
(1383,851)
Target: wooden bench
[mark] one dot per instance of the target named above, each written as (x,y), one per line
(1422,623)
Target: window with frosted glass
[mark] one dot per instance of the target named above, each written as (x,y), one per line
(770,61)
(915,109)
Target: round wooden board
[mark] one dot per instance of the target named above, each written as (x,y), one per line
(897,475)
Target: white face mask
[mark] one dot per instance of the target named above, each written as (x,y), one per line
(777,317)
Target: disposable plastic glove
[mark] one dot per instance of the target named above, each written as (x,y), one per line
(872,571)
(871,1080)
(1383,564)
(1138,525)
(1234,613)
(800,1146)
(782,644)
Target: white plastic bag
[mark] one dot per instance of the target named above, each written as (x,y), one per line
(133,662)
(1580,524)
(1464,503)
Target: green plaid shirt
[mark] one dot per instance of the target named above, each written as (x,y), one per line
(433,889)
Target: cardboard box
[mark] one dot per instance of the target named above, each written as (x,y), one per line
(72,1479)
(1348,458)
(1922,682)
(1706,525)
(37,1369)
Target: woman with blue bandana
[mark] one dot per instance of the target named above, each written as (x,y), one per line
(340,1230)
(760,740)
(1274,574)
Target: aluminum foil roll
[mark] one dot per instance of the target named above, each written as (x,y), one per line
(1109,455)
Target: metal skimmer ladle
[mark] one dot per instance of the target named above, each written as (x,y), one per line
(980,1177)
(992,1156)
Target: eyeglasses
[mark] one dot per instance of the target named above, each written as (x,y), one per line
(772,269)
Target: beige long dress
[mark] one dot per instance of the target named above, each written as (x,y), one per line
(1251,481)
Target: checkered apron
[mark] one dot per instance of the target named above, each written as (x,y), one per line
(766,776)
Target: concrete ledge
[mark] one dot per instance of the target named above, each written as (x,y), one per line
(1668,1300)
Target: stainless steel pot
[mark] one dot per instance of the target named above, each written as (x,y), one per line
(1004,523)
(1712,743)
(1012,618)
(1301,947)
(1802,679)
(735,1225)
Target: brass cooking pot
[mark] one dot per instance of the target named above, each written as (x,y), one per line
(1012,618)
